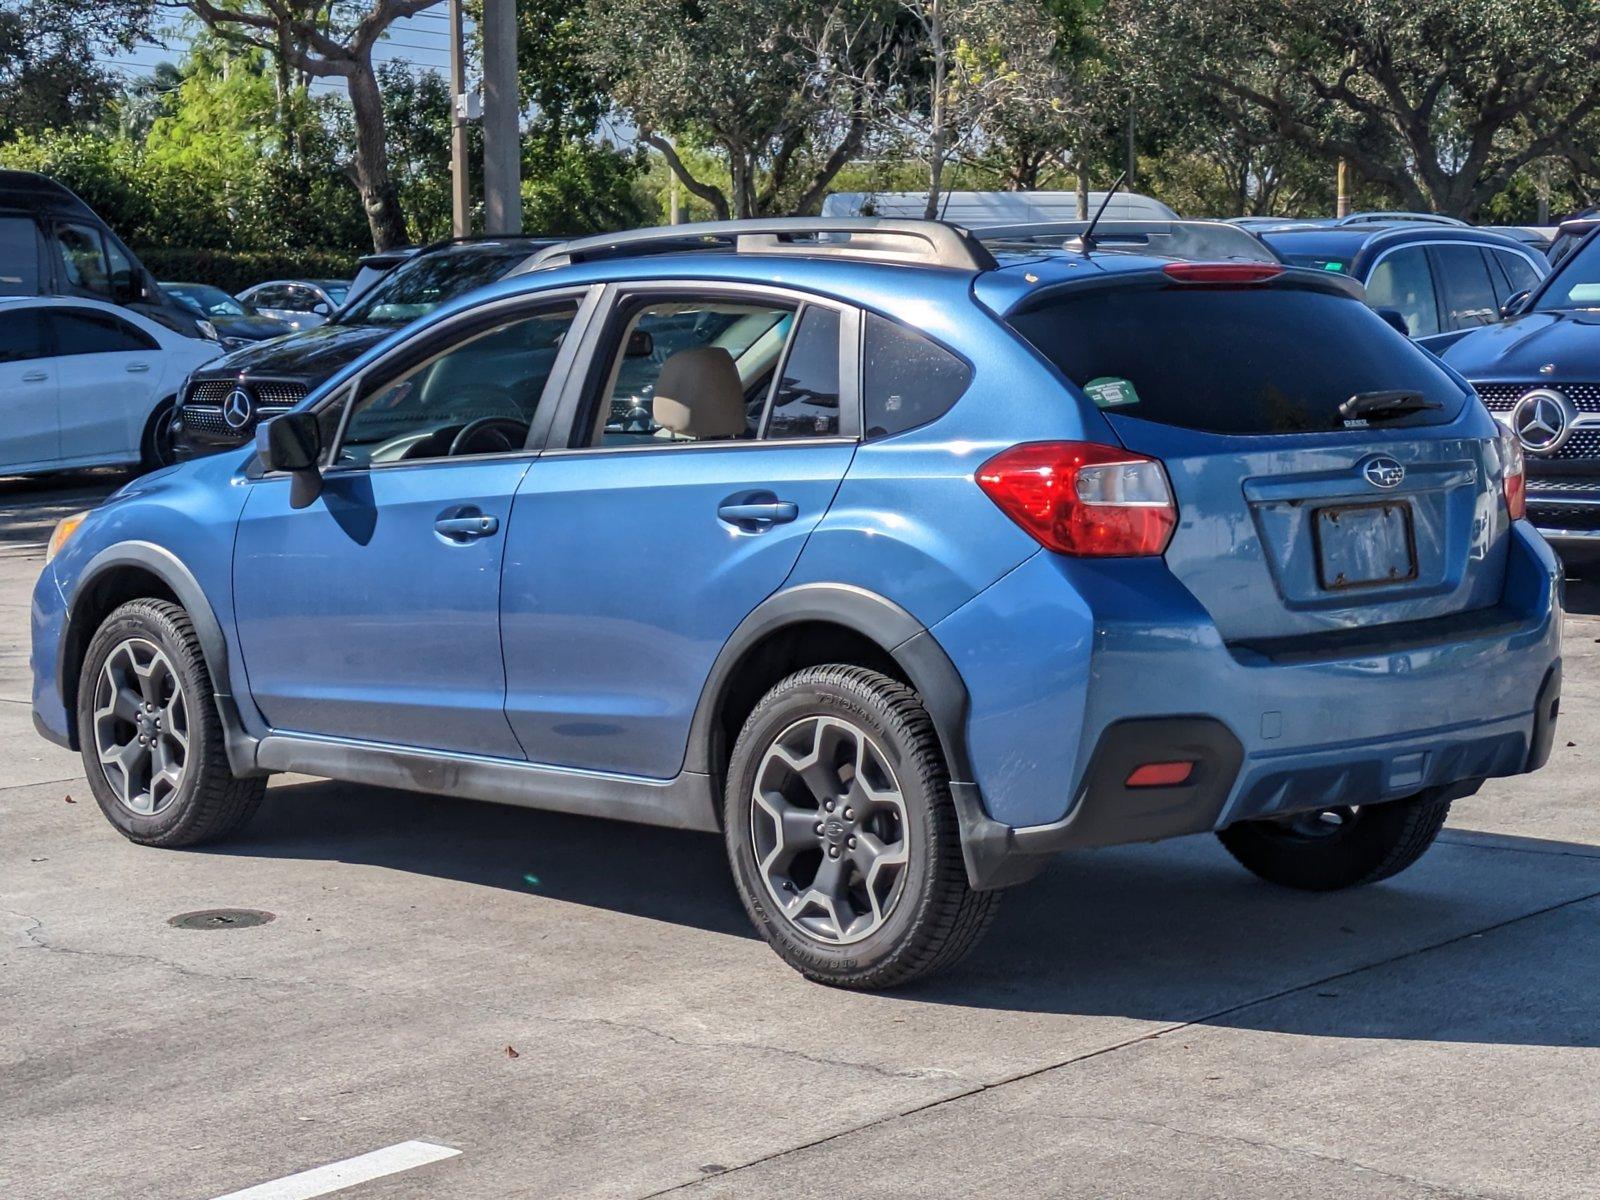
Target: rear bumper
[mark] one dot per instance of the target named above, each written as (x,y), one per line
(1139,675)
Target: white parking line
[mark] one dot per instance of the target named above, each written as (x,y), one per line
(319,1181)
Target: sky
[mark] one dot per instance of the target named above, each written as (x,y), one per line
(422,40)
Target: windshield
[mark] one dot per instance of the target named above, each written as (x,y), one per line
(417,287)
(1195,240)
(1319,262)
(207,301)
(1576,283)
(1233,360)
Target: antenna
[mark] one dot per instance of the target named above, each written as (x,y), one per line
(1086,238)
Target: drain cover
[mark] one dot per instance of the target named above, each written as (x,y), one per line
(221,918)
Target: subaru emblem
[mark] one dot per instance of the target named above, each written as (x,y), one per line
(1383,472)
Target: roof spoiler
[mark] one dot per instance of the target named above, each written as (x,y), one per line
(873,239)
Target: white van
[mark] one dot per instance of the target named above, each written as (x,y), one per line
(974,210)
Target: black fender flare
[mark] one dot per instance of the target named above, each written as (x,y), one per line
(875,617)
(170,569)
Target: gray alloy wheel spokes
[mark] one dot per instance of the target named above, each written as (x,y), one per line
(829,827)
(141,726)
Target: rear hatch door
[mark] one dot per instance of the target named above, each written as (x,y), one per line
(1295,518)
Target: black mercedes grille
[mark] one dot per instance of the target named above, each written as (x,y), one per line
(268,393)
(1503,397)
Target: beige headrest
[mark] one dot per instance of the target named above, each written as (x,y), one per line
(699,395)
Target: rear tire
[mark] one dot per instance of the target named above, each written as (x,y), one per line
(149,733)
(842,836)
(1332,849)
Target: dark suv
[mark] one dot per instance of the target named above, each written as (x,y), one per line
(1539,373)
(224,400)
(53,244)
(1441,279)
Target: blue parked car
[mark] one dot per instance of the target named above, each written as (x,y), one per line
(918,568)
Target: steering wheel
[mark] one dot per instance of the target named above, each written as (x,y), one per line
(490,435)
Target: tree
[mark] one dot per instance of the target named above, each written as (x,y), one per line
(1440,101)
(49,77)
(744,77)
(327,39)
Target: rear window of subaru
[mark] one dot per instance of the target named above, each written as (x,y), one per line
(1233,360)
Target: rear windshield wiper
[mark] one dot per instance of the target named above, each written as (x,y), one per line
(1380,406)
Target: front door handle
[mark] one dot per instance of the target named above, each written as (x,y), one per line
(35,376)
(753,511)
(466,527)
(137,368)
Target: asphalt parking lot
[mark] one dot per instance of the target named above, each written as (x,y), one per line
(580,1009)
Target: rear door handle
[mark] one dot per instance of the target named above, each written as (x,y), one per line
(466,527)
(36,377)
(137,368)
(757,510)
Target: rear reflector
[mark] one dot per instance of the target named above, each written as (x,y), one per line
(1083,498)
(1163,774)
(1221,272)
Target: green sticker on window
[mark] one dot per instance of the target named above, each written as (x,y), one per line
(1333,266)
(1110,391)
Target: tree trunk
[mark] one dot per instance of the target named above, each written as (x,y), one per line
(1083,189)
(380,198)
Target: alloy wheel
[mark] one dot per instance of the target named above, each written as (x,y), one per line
(829,828)
(141,726)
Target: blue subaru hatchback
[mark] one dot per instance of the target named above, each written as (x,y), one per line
(902,567)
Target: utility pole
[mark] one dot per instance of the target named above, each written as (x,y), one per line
(460,110)
(1341,204)
(502,134)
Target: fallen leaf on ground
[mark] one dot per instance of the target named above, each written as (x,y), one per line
(70,800)
(511,1052)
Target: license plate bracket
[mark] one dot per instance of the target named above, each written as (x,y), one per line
(1364,545)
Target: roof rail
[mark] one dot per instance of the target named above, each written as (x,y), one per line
(878,239)
(1387,217)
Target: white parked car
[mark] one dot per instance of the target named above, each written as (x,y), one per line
(303,303)
(84,383)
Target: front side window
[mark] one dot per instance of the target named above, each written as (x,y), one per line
(1521,274)
(477,397)
(1468,290)
(691,370)
(83,257)
(19,257)
(80,331)
(1403,281)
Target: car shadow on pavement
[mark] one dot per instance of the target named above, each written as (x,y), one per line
(1583,597)
(1170,932)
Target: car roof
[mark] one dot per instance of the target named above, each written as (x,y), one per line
(1349,240)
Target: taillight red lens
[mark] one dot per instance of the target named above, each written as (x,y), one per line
(1514,477)
(1221,272)
(1083,498)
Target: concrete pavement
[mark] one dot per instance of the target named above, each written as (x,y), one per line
(580,1008)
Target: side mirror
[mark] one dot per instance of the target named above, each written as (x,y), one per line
(641,344)
(1514,303)
(321,309)
(293,443)
(1395,318)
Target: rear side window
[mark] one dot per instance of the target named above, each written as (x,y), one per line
(19,257)
(20,337)
(906,380)
(806,400)
(84,332)
(1239,361)
(1403,281)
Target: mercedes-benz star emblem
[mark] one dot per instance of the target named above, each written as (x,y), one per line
(237,408)
(1383,471)
(1542,420)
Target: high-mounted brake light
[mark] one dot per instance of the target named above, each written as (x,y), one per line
(1514,477)
(1083,498)
(1221,272)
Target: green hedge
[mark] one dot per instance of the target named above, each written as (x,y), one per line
(235,270)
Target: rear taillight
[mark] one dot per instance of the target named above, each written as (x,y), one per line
(1221,272)
(1083,498)
(1514,477)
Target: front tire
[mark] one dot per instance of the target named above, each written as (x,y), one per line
(842,836)
(156,447)
(1335,848)
(149,733)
